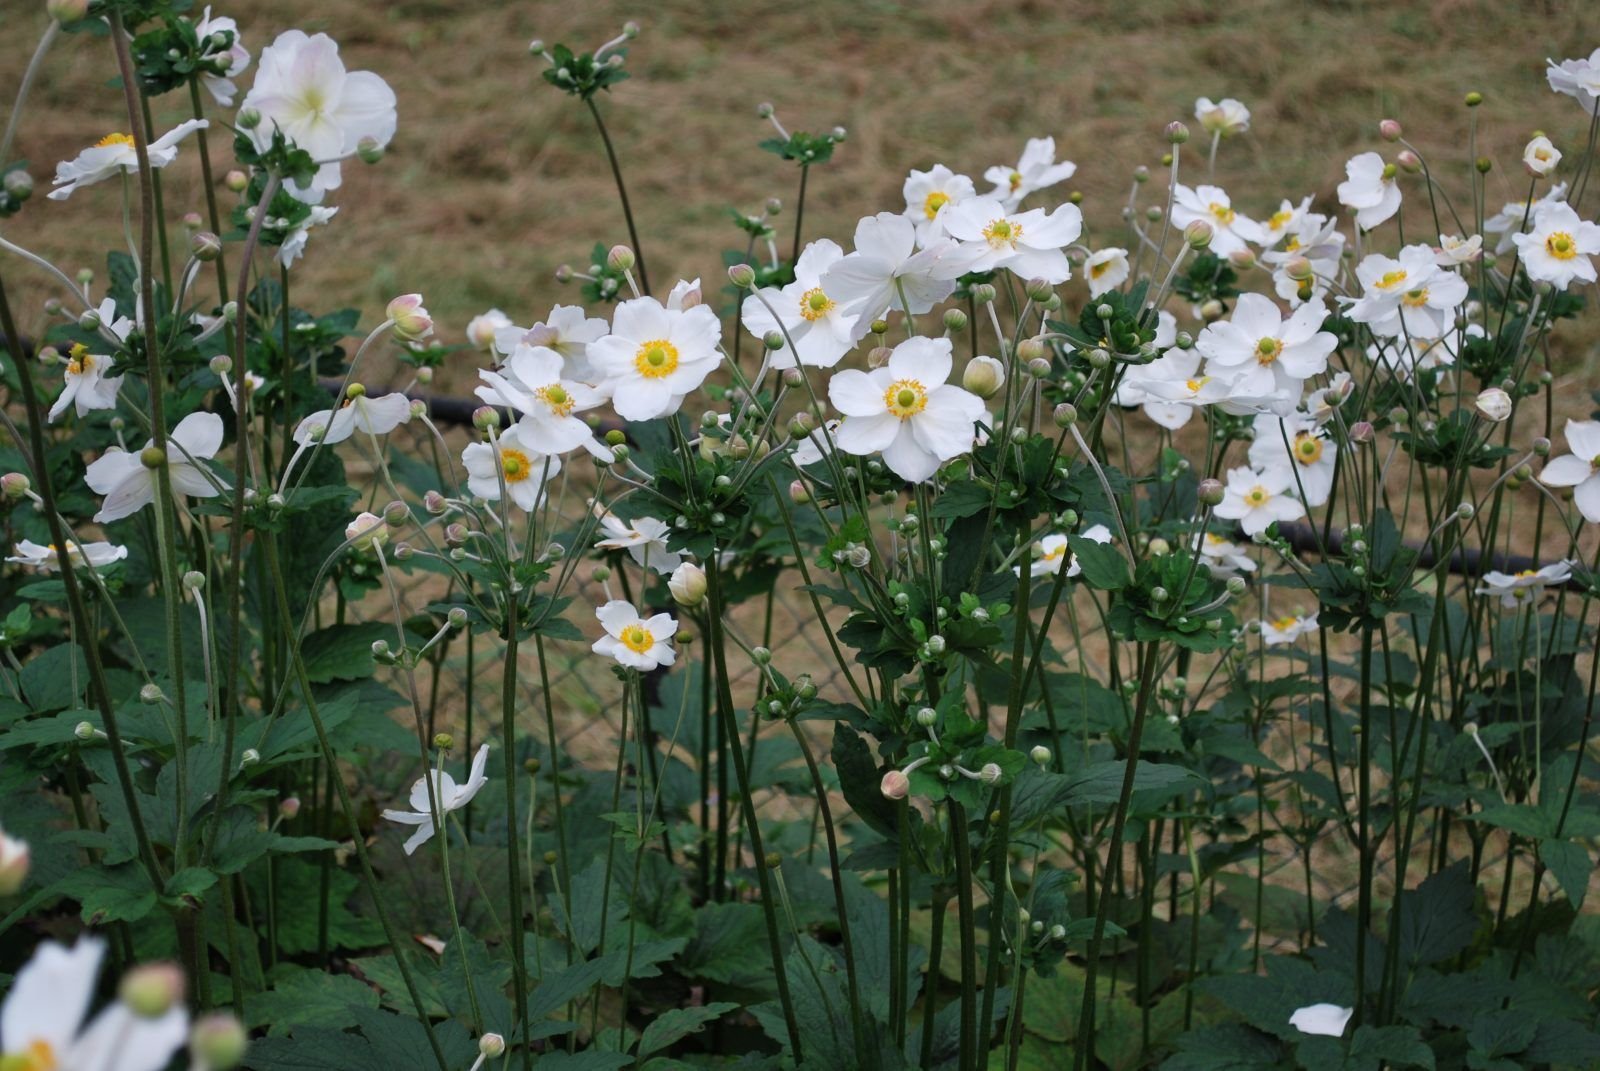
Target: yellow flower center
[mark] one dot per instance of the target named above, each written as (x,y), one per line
(814,304)
(1194,385)
(559,401)
(79,360)
(1291,244)
(1052,554)
(1415,298)
(1391,279)
(115,139)
(1003,232)
(933,202)
(1221,212)
(1307,448)
(906,398)
(1097,270)
(1267,350)
(1279,220)
(1284,624)
(637,638)
(1561,246)
(516,464)
(1257,496)
(656,358)
(1016,180)
(38,1056)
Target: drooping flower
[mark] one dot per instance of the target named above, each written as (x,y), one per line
(1328,1020)
(1226,117)
(1580,469)
(820,328)
(374,416)
(1031,244)
(1578,79)
(1516,590)
(634,642)
(514,458)
(1558,248)
(1229,230)
(303,89)
(654,356)
(1300,445)
(222,50)
(448,796)
(294,244)
(1371,189)
(926,192)
(482,329)
(887,267)
(129,485)
(1288,629)
(531,383)
(115,155)
(1106,269)
(1261,354)
(409,321)
(1407,296)
(86,386)
(1257,500)
(1035,171)
(93,555)
(645,540)
(42,1024)
(906,410)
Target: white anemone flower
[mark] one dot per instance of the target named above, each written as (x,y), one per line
(654,356)
(1031,244)
(531,383)
(1260,353)
(233,60)
(1222,557)
(1036,170)
(1257,500)
(1225,117)
(1370,187)
(1512,218)
(1454,250)
(1515,590)
(633,641)
(1153,387)
(1287,220)
(115,155)
(447,795)
(526,470)
(1299,444)
(42,1024)
(815,446)
(906,410)
(926,192)
(129,486)
(374,416)
(294,244)
(303,89)
(1319,240)
(887,271)
(1407,296)
(822,330)
(1287,629)
(482,329)
(1106,269)
(86,387)
(1580,469)
(93,555)
(1558,248)
(1229,230)
(645,540)
(1578,79)
(1328,1020)
(568,330)
(1053,553)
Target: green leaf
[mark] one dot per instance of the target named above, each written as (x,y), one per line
(343,652)
(858,779)
(1571,865)
(1103,565)
(304,997)
(112,894)
(190,884)
(673,1026)
(1397,1046)
(1154,783)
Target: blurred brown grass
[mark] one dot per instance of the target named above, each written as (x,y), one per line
(495,178)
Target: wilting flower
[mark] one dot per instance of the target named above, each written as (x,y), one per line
(129,485)
(1257,500)
(1328,1020)
(1037,170)
(635,643)
(1519,589)
(1229,230)
(1578,79)
(42,1022)
(114,155)
(448,795)
(94,555)
(907,410)
(1579,470)
(926,192)
(374,416)
(645,540)
(1030,244)
(1284,630)
(1300,445)
(1261,354)
(483,328)
(231,60)
(885,268)
(1540,157)
(531,383)
(1106,269)
(1370,188)
(1409,296)
(654,356)
(1226,117)
(821,329)
(303,89)
(1558,248)
(514,458)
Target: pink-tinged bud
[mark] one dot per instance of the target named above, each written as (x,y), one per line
(1242,259)
(895,785)
(289,807)
(366,532)
(742,275)
(435,503)
(1177,133)
(1210,492)
(1389,130)
(66,12)
(1361,431)
(411,320)
(485,417)
(621,258)
(218,1042)
(1409,162)
(205,246)
(236,181)
(15,485)
(152,990)
(14,862)
(455,535)
(191,221)
(1299,269)
(799,493)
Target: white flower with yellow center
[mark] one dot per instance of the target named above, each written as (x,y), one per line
(374,416)
(531,383)
(907,411)
(654,356)
(1580,469)
(86,387)
(633,641)
(129,485)
(1261,354)
(1515,590)
(1052,554)
(1286,221)
(303,89)
(93,555)
(1578,79)
(513,458)
(1319,240)
(1299,444)
(1407,296)
(1287,629)
(1454,250)
(1225,117)
(887,271)
(115,155)
(927,192)
(821,329)
(1030,244)
(1035,171)
(429,809)
(645,540)
(1229,230)
(1258,500)
(223,50)
(1513,217)
(1558,248)
(568,330)
(1222,557)
(1370,187)
(1105,270)
(42,1024)
(1540,157)
(1163,387)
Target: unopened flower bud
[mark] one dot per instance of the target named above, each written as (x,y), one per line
(485,417)
(955,320)
(289,808)
(1409,162)
(1211,311)
(1210,492)
(1299,269)
(236,181)
(1032,349)
(621,258)
(89,320)
(984,376)
(799,494)
(366,532)
(1474,99)
(1389,130)
(1065,415)
(1198,234)
(15,485)
(895,785)
(152,990)
(1361,431)
(1494,403)
(1040,755)
(1177,133)
(194,580)
(687,585)
(396,514)
(205,246)
(152,457)
(247,119)
(742,276)
(991,773)
(369,149)
(14,863)
(218,1042)
(493,1045)
(1242,259)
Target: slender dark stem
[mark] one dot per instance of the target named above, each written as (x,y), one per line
(508,741)
(622,192)
(799,213)
(968,1060)
(212,214)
